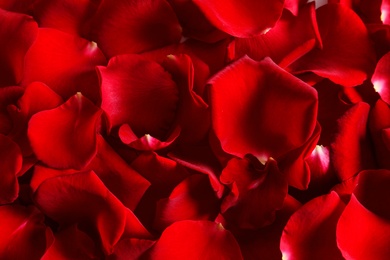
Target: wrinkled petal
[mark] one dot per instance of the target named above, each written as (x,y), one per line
(311,231)
(242,18)
(347,57)
(65,137)
(259,113)
(208,240)
(10,165)
(73,68)
(17,34)
(153,24)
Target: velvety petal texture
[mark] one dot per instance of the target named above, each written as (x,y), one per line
(152,24)
(242,18)
(208,240)
(253,103)
(65,137)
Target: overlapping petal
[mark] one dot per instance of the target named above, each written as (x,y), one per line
(381,79)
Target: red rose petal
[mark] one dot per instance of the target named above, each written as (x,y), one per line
(385,11)
(8,96)
(138,92)
(347,57)
(363,231)
(268,102)
(18,6)
(65,62)
(153,24)
(381,79)
(10,165)
(83,199)
(242,18)
(294,5)
(42,173)
(65,137)
(23,233)
(17,34)
(278,43)
(130,248)
(208,240)
(311,231)
(255,193)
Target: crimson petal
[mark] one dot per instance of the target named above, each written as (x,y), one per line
(65,137)
(381,79)
(242,18)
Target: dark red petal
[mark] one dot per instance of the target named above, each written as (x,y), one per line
(278,43)
(242,18)
(18,6)
(130,248)
(310,233)
(72,243)
(271,114)
(255,193)
(69,16)
(122,180)
(8,96)
(351,151)
(138,92)
(207,240)
(73,68)
(17,34)
(23,233)
(10,165)
(347,57)
(381,78)
(363,231)
(42,173)
(294,5)
(153,24)
(192,199)
(65,137)
(83,199)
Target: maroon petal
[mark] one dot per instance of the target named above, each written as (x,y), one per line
(278,43)
(347,57)
(23,233)
(363,231)
(130,248)
(10,165)
(242,18)
(8,96)
(17,34)
(73,68)
(21,6)
(65,137)
(138,92)
(310,233)
(381,79)
(153,24)
(255,194)
(208,240)
(271,114)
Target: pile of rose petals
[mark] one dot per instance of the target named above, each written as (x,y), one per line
(195,129)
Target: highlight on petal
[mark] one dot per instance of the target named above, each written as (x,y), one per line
(23,233)
(347,57)
(385,11)
(10,165)
(64,62)
(268,111)
(65,137)
(363,230)
(242,18)
(381,78)
(17,34)
(310,232)
(140,93)
(208,240)
(133,27)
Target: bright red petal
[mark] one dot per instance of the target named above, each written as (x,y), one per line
(65,137)
(381,78)
(242,18)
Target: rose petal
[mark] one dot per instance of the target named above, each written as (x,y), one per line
(260,113)
(347,57)
(23,233)
(130,248)
(311,231)
(208,240)
(65,137)
(17,34)
(73,68)
(138,92)
(8,96)
(10,165)
(20,6)
(242,18)
(153,24)
(381,79)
